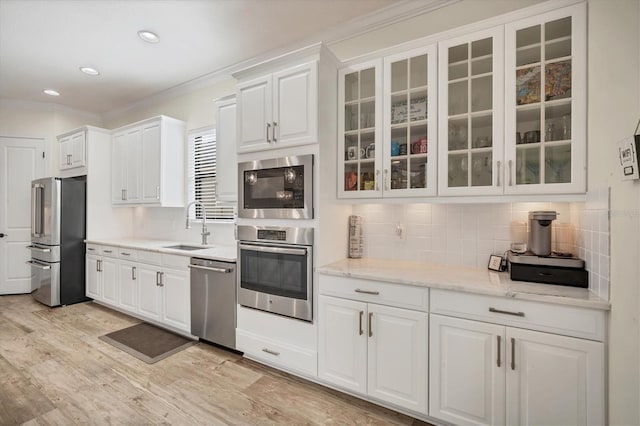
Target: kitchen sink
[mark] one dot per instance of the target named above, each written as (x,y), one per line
(186,248)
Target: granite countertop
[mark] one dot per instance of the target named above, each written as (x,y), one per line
(464,279)
(222,252)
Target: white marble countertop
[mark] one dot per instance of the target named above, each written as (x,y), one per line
(222,252)
(465,279)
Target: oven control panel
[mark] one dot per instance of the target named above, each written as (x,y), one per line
(272,235)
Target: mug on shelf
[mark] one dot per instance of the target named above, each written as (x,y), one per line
(419,146)
(351,153)
(395,148)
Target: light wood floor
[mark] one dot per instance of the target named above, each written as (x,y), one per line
(55,371)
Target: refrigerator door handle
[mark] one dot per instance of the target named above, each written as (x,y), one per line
(40,249)
(36,209)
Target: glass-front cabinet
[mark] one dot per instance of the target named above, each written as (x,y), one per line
(359,130)
(387,131)
(410,133)
(546,103)
(471,70)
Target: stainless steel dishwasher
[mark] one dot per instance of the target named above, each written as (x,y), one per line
(213,301)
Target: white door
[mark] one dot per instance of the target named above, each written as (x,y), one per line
(398,356)
(78,149)
(21,161)
(151,160)
(342,358)
(295,105)
(466,371)
(133,151)
(109,271)
(149,293)
(177,299)
(554,380)
(118,167)
(127,283)
(255,129)
(226,158)
(93,275)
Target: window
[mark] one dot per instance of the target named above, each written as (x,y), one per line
(202,176)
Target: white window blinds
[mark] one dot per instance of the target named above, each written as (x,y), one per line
(202,176)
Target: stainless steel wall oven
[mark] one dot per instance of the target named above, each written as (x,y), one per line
(276,270)
(278,188)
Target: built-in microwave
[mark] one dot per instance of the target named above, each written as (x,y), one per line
(277,188)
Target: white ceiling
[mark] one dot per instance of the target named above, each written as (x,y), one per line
(44,42)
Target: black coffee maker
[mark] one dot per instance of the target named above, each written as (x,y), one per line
(539,263)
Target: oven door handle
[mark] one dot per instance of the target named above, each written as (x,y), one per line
(37,265)
(271,249)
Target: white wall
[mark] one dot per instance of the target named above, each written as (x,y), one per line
(614,108)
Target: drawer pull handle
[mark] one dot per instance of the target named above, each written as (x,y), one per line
(499,344)
(544,274)
(108,251)
(360,324)
(513,353)
(498,311)
(375,293)
(125,254)
(91,249)
(270,352)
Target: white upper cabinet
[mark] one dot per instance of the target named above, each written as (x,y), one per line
(545,128)
(72,148)
(226,158)
(360,131)
(387,126)
(148,163)
(279,109)
(471,99)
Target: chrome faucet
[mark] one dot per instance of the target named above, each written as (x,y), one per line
(204,232)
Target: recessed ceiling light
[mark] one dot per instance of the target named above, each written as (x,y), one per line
(51,92)
(148,36)
(89,71)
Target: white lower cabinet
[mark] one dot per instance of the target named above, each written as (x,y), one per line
(377,350)
(158,291)
(128,279)
(490,374)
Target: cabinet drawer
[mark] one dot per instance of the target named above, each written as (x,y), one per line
(403,296)
(127,253)
(93,248)
(109,251)
(277,353)
(175,261)
(152,257)
(558,319)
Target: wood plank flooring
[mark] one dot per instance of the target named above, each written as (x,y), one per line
(55,371)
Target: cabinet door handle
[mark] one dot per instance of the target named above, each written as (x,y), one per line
(122,195)
(268,126)
(510,173)
(499,311)
(99,265)
(498,164)
(126,195)
(274,131)
(386,179)
(357,290)
(270,352)
(158,279)
(157,192)
(68,159)
(378,180)
(370,321)
(360,323)
(133,273)
(513,353)
(499,344)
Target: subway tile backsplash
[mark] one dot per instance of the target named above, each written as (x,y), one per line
(466,234)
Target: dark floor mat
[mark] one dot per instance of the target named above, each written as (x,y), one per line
(147,342)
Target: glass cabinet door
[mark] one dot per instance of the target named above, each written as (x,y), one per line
(542,112)
(471,144)
(358,130)
(410,161)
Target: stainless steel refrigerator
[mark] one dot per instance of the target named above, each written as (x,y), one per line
(58,231)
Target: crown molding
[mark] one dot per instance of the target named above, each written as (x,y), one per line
(47,106)
(372,21)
